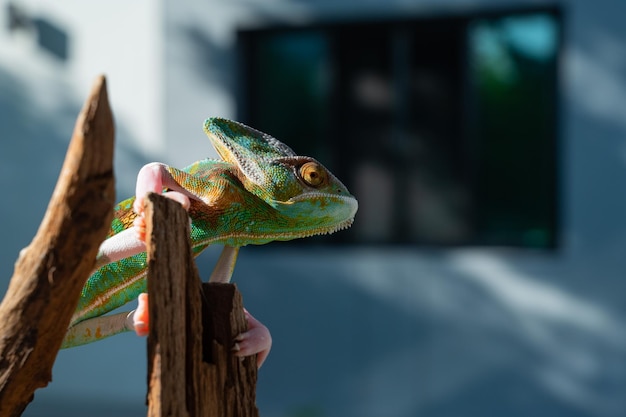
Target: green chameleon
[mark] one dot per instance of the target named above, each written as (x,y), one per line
(259,192)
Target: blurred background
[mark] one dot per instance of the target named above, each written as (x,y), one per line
(485,141)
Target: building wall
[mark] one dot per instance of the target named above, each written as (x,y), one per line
(361,331)
(469,331)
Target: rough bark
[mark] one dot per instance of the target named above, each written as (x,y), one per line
(230,381)
(170,271)
(51,271)
(191,372)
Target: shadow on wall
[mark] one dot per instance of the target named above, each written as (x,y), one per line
(37,119)
(397,333)
(34,139)
(405,332)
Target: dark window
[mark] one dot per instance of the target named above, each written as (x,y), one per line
(444,128)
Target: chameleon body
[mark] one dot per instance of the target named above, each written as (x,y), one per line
(259,192)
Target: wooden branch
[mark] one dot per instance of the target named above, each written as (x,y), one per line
(50,273)
(171,271)
(191,372)
(231,381)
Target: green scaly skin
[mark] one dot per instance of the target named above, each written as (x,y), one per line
(259,192)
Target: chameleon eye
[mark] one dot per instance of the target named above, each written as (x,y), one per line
(313,174)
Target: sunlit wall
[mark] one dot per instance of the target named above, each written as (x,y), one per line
(478,303)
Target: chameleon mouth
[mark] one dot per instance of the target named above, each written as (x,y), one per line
(341,226)
(326,230)
(260,238)
(348,202)
(344,212)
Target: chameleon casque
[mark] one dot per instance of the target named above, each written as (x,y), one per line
(259,192)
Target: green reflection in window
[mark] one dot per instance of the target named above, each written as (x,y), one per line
(512,67)
(293,77)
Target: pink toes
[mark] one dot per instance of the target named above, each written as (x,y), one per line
(257,340)
(139,224)
(141,319)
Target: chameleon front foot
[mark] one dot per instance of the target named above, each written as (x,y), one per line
(153,178)
(139,224)
(256,341)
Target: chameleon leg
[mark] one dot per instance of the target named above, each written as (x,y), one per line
(119,246)
(97,328)
(225,266)
(257,340)
(154,177)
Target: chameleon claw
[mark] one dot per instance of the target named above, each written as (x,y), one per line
(138,205)
(256,341)
(154,177)
(139,224)
(141,319)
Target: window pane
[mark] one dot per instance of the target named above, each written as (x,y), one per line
(444,128)
(512,70)
(290,88)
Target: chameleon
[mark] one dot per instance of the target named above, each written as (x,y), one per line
(260,191)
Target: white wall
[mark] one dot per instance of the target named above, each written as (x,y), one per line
(40,97)
(463,322)
(361,331)
(120,39)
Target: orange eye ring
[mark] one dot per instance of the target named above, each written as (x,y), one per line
(313,174)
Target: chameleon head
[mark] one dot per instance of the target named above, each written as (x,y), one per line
(306,197)
(306,192)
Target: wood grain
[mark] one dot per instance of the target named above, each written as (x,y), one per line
(50,273)
(191,369)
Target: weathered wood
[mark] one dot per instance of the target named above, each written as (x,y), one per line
(51,271)
(231,381)
(171,271)
(191,372)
